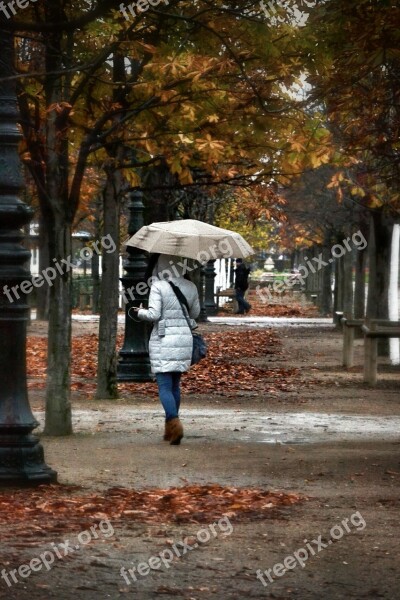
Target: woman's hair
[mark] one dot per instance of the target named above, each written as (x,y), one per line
(153,259)
(153,263)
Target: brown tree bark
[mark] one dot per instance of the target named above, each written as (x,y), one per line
(155,199)
(338,304)
(109,290)
(58,404)
(109,298)
(348,293)
(58,217)
(360,282)
(379,255)
(379,266)
(326,285)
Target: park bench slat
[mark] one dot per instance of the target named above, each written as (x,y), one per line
(373,329)
(381,333)
(371,337)
(352,322)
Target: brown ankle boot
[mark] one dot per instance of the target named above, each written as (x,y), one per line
(167,432)
(176,432)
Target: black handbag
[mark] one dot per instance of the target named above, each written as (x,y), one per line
(199,343)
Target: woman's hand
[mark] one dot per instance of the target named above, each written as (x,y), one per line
(133,312)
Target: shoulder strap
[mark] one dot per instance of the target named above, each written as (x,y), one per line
(181,297)
(182,301)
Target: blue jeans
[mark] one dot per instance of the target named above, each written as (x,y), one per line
(170,393)
(243,305)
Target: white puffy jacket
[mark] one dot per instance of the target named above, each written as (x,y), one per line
(171,340)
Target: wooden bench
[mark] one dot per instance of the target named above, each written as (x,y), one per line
(228,293)
(85,300)
(349,326)
(374,330)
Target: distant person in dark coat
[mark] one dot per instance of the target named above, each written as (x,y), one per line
(241,285)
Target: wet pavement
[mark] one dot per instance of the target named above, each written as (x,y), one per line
(241,426)
(272,321)
(245,320)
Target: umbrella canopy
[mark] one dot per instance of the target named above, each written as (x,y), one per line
(192,239)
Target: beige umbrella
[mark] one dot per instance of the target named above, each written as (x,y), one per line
(192,239)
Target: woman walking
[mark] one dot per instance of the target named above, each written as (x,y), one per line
(171,340)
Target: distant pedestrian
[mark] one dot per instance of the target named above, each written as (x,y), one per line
(171,340)
(241,285)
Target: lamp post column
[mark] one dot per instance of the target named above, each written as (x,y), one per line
(21,454)
(209,274)
(203,313)
(134,362)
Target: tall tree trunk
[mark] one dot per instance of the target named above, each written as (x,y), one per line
(58,403)
(379,272)
(109,297)
(348,293)
(96,281)
(360,281)
(155,199)
(394,293)
(58,218)
(338,290)
(109,292)
(326,287)
(379,266)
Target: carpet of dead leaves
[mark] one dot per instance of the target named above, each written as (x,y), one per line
(225,370)
(54,509)
(286,307)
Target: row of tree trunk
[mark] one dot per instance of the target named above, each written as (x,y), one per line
(356,281)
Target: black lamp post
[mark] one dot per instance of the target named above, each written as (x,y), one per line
(203,313)
(209,274)
(134,362)
(21,454)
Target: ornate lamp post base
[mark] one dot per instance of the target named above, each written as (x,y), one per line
(134,367)
(22,461)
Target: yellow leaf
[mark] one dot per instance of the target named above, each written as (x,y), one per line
(357,191)
(131,176)
(185,177)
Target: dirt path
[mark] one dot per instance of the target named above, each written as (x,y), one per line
(290,441)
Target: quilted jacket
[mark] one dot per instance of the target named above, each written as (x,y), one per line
(171,340)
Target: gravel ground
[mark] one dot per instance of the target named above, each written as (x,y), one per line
(333,440)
